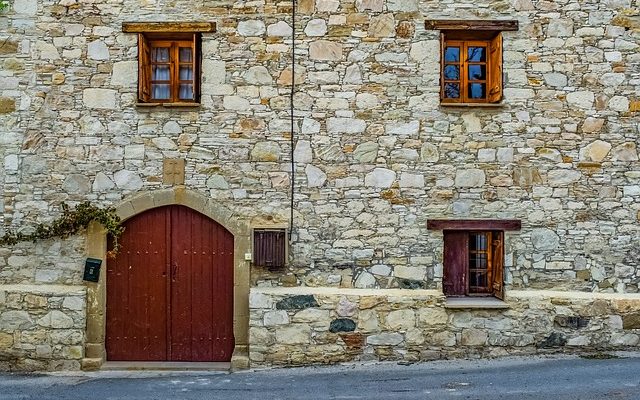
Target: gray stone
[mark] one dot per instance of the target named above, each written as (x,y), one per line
(365,280)
(366,152)
(429,153)
(127,180)
(556,79)
(277,317)
(99,98)
(15,320)
(217,182)
(408,180)
(302,152)
(385,339)
(345,125)
(125,73)
(258,75)
(625,152)
(56,319)
(76,184)
(172,128)
(563,177)
(98,50)
(316,27)
(26,7)
(298,302)
(581,99)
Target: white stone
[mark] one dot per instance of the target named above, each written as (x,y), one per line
(316,27)
(581,99)
(277,317)
(99,98)
(408,180)
(556,79)
(366,152)
(470,178)
(128,180)
(258,75)
(486,155)
(625,152)
(367,100)
(11,162)
(15,320)
(164,143)
(563,177)
(544,239)
(403,128)
(425,50)
(402,5)
(429,153)
(172,128)
(251,28)
(471,123)
(385,339)
(380,269)
(280,28)
(352,75)
(102,183)
(315,176)
(303,152)
(236,103)
(73,303)
(76,183)
(260,300)
(619,103)
(345,125)
(125,73)
(409,272)
(213,72)
(380,178)
(47,51)
(365,280)
(327,5)
(560,27)
(98,50)
(311,315)
(612,79)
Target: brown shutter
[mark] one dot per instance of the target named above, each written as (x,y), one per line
(498,264)
(197,57)
(456,261)
(442,44)
(144,69)
(495,69)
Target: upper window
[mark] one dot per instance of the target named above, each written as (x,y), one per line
(471,60)
(471,69)
(168,68)
(169,60)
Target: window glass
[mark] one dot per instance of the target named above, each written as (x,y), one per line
(476,54)
(452,54)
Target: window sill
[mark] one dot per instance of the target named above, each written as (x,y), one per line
(169,105)
(475,303)
(480,105)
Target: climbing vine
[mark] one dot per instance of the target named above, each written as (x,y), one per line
(3,5)
(71,222)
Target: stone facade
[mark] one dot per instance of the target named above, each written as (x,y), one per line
(374,154)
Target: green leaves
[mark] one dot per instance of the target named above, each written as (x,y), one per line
(71,222)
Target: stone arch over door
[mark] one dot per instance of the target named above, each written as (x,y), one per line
(139,203)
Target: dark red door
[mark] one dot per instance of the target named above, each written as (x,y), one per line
(170,289)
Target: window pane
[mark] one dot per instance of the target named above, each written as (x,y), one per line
(477,261)
(452,54)
(160,91)
(185,54)
(477,72)
(477,279)
(186,73)
(477,54)
(452,72)
(160,73)
(160,54)
(477,90)
(477,242)
(452,90)
(186,92)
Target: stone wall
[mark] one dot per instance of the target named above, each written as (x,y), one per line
(297,326)
(42,327)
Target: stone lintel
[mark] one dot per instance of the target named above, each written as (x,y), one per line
(471,25)
(168,27)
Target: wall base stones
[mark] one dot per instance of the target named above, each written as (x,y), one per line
(42,327)
(299,326)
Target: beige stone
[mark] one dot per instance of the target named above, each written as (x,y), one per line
(382,26)
(325,50)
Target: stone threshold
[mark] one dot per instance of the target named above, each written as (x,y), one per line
(475,303)
(164,366)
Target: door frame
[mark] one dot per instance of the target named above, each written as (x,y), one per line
(95,352)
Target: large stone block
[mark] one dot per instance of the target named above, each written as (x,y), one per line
(105,99)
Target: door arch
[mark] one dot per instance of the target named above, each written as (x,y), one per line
(170,289)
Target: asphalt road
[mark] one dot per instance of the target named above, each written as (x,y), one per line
(524,378)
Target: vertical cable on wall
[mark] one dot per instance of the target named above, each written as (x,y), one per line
(293,89)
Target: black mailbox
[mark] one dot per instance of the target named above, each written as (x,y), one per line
(92,270)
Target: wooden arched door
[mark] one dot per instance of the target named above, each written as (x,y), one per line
(170,289)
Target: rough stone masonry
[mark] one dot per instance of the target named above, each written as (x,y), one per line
(375,156)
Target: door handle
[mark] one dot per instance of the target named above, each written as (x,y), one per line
(174,271)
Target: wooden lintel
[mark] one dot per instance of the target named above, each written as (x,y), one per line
(473,25)
(474,224)
(168,27)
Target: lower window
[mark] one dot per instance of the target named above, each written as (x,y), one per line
(473,263)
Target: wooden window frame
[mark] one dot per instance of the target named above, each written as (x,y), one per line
(270,248)
(493,66)
(174,41)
